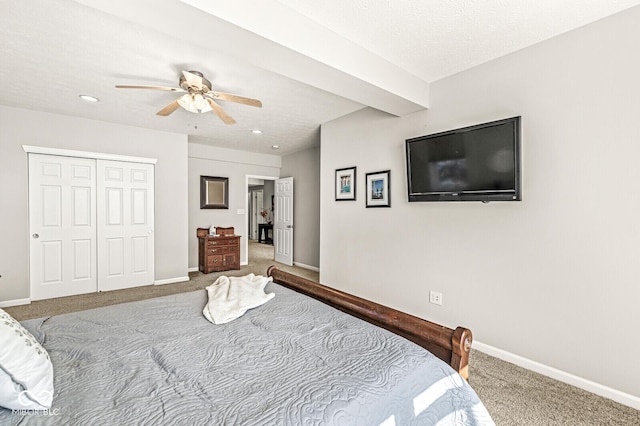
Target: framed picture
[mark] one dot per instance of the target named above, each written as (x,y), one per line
(346,184)
(378,189)
(214,192)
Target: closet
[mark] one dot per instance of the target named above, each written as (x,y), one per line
(90,223)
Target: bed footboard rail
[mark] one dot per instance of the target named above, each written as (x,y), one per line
(452,346)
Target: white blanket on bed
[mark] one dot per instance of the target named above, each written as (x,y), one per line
(231,297)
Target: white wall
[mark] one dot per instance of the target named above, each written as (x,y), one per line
(23,127)
(236,165)
(553,278)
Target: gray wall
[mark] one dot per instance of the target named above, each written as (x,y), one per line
(267,193)
(304,167)
(23,127)
(553,278)
(236,165)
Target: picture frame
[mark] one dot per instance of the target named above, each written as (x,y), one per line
(214,192)
(346,184)
(378,189)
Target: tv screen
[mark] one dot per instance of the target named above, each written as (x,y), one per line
(476,163)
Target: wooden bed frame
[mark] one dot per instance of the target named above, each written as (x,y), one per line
(451,346)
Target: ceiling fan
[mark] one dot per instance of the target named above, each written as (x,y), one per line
(198,97)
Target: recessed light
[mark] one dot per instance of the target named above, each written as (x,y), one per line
(89,98)
(275,146)
(256,131)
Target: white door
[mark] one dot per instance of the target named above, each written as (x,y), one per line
(125,224)
(62,226)
(256,208)
(283,223)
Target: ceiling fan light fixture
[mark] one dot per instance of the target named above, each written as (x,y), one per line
(201,103)
(198,98)
(195,103)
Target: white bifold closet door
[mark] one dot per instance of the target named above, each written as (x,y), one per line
(125,219)
(62,225)
(91,225)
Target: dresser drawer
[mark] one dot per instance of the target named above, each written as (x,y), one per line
(213,261)
(230,260)
(227,260)
(222,249)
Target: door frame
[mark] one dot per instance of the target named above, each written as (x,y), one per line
(86,154)
(245,247)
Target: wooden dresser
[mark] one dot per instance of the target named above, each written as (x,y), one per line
(219,252)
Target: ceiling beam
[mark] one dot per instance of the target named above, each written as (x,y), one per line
(269,35)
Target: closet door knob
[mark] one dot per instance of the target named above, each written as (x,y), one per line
(36,236)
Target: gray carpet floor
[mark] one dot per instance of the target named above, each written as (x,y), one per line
(513,395)
(260,258)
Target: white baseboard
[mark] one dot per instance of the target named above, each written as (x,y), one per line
(194,269)
(562,376)
(171,280)
(16,302)
(302,265)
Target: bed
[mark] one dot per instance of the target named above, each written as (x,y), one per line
(312,355)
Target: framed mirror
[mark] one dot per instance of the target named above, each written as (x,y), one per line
(214,192)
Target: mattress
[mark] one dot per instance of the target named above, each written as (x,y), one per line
(291,361)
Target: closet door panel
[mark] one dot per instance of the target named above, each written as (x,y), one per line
(51,252)
(125,224)
(83,258)
(140,251)
(114,258)
(113,209)
(62,228)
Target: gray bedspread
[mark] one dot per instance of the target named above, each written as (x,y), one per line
(291,361)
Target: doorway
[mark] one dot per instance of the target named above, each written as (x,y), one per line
(260,216)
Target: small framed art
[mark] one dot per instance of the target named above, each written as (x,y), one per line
(378,189)
(346,184)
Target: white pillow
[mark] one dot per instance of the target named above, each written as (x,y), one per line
(26,373)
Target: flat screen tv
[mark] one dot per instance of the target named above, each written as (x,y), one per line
(476,163)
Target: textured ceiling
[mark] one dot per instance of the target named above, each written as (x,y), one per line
(55,50)
(60,49)
(434,38)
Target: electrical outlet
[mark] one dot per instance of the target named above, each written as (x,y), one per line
(435,298)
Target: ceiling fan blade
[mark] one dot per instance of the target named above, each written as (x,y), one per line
(236,98)
(169,108)
(131,86)
(193,80)
(218,110)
